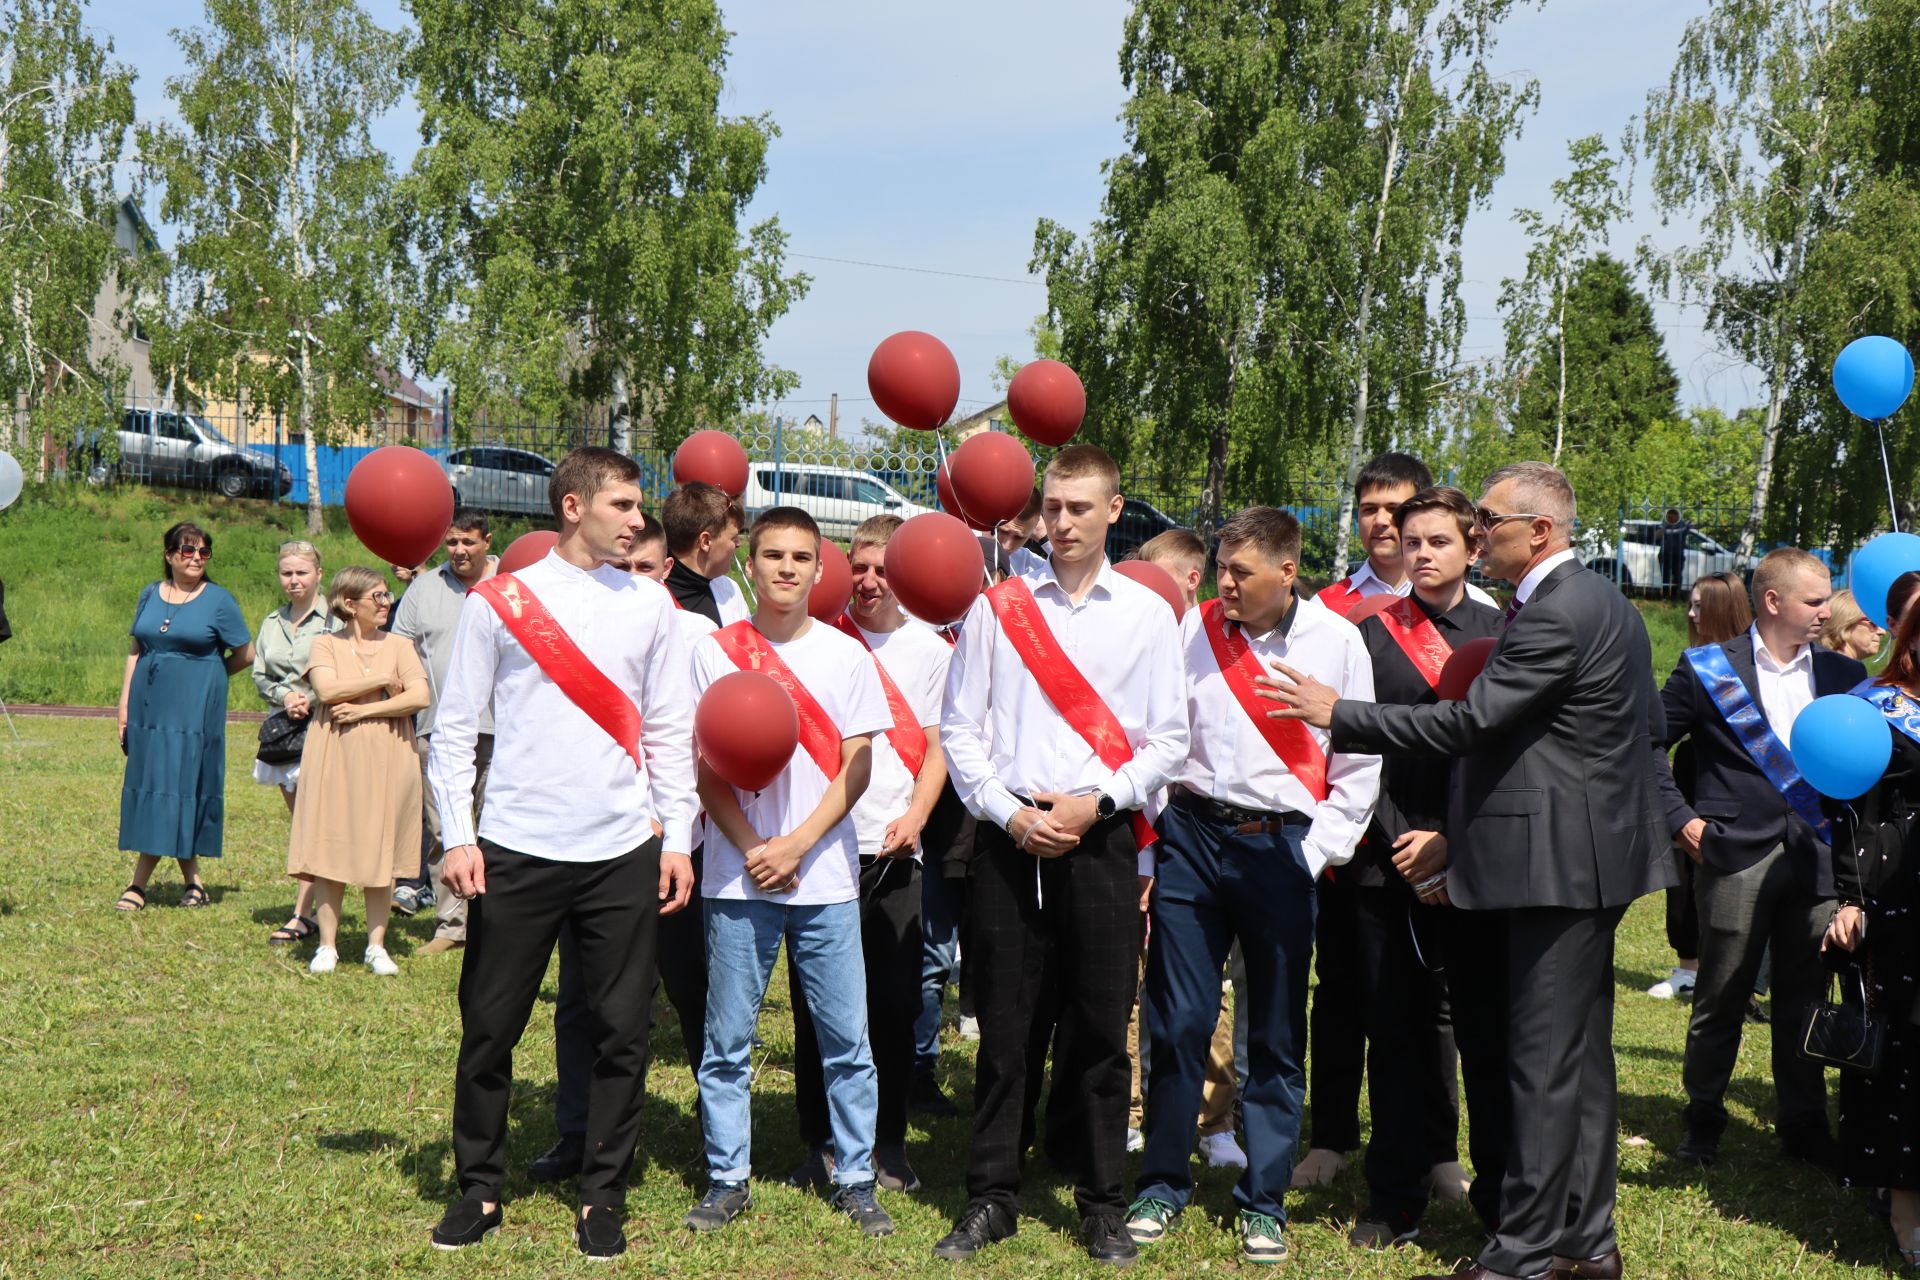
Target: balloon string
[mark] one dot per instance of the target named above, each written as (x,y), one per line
(746,579)
(1893,510)
(940,443)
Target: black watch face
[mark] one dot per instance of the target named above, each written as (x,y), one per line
(1107,808)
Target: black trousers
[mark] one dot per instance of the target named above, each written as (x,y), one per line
(1080,913)
(1337,1026)
(890,943)
(611,908)
(1557,1193)
(1683,913)
(680,966)
(1412,1085)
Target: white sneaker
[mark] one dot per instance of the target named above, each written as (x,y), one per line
(1679,983)
(324,958)
(1448,1181)
(969,1027)
(1220,1151)
(1136,1140)
(380,962)
(1319,1168)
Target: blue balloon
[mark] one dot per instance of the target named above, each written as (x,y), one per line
(1841,745)
(1875,566)
(1873,377)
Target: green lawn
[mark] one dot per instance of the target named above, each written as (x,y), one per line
(181,1100)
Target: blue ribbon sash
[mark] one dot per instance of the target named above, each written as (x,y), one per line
(1749,725)
(1897,705)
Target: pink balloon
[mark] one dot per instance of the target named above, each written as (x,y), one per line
(399,504)
(914,379)
(527,549)
(1458,675)
(992,478)
(829,597)
(1158,580)
(711,457)
(746,728)
(935,567)
(1047,402)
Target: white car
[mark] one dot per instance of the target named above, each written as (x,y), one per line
(1635,562)
(493,478)
(838,498)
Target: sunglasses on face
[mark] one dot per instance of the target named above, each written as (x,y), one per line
(195,553)
(1493,519)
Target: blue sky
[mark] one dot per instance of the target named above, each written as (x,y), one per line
(934,135)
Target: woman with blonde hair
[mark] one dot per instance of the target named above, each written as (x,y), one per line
(356,814)
(280,652)
(1849,630)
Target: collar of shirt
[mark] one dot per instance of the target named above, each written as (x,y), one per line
(454,583)
(1040,574)
(1538,574)
(1282,630)
(1368,583)
(1763,657)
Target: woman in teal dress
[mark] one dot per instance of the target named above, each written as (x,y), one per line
(188,638)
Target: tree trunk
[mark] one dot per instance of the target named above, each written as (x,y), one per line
(1560,400)
(316,511)
(1208,518)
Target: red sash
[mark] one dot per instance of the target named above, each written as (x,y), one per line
(909,739)
(1077,701)
(554,651)
(1289,739)
(750,651)
(1418,638)
(1340,596)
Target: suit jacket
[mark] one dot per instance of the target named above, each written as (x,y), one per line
(1554,800)
(1746,815)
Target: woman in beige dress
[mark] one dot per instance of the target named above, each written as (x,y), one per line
(356,815)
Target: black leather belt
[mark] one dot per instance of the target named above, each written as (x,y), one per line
(1246,822)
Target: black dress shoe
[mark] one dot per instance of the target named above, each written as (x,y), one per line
(1106,1238)
(559,1161)
(1811,1143)
(468,1222)
(599,1233)
(1700,1147)
(981,1223)
(928,1099)
(1604,1267)
(891,1169)
(1475,1271)
(815,1173)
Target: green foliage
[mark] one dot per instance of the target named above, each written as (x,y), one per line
(576,204)
(283,285)
(65,108)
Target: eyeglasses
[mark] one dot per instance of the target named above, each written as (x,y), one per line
(1493,519)
(379,597)
(194,553)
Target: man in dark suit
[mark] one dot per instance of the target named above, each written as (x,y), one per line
(1553,825)
(1756,830)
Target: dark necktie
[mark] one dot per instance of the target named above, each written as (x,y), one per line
(1513,611)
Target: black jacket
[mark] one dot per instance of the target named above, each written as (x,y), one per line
(1746,815)
(1553,801)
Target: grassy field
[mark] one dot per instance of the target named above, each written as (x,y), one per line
(181,1100)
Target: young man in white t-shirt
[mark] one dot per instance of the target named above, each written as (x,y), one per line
(784,863)
(909,773)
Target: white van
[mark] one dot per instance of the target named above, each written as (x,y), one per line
(839,498)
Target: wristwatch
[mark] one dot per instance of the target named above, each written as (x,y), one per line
(1104,807)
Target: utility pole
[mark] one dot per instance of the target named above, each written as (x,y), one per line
(833,416)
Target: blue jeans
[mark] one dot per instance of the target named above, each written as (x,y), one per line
(939,964)
(823,944)
(1212,886)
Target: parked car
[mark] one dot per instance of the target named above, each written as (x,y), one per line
(498,479)
(839,498)
(1635,561)
(1139,523)
(167,447)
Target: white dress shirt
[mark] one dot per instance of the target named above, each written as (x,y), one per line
(1003,738)
(1365,582)
(730,600)
(560,787)
(1785,687)
(916,659)
(1531,580)
(1232,763)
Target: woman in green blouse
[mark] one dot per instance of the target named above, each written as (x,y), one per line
(279,671)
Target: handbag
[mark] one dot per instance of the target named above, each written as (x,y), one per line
(1844,1035)
(281,738)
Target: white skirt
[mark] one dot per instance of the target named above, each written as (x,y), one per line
(285,776)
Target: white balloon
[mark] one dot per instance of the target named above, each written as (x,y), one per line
(11,480)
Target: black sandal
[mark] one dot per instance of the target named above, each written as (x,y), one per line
(133,898)
(195,895)
(287,933)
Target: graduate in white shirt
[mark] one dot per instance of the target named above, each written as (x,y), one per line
(1059,829)
(1254,818)
(909,773)
(784,863)
(585,670)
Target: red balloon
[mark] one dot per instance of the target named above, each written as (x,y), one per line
(746,728)
(828,599)
(1372,605)
(935,567)
(399,504)
(914,380)
(1158,580)
(711,457)
(992,478)
(943,485)
(1462,667)
(1047,402)
(528,548)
